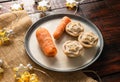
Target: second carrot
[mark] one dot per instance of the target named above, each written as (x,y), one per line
(61,27)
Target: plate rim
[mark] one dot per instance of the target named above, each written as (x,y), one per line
(34,25)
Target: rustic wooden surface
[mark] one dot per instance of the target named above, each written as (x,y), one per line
(106,15)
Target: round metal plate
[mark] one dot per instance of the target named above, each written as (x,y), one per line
(61,62)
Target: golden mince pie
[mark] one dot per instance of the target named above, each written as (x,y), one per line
(88,39)
(73,48)
(74,29)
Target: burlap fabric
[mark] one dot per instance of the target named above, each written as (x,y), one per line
(15,53)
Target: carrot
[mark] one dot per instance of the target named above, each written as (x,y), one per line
(45,41)
(61,27)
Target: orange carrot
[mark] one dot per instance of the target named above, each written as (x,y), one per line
(46,43)
(61,27)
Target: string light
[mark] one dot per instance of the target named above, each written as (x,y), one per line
(70,4)
(16,7)
(43,5)
(5,36)
(1,69)
(23,73)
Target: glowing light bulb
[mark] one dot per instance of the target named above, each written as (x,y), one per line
(70,4)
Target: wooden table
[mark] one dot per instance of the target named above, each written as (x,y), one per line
(106,15)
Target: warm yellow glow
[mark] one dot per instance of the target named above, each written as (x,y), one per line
(43,5)
(70,4)
(16,7)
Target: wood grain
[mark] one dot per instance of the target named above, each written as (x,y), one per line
(106,16)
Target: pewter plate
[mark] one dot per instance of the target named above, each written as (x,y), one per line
(61,62)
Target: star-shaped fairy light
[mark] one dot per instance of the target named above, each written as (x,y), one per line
(1,69)
(43,5)
(16,7)
(0,7)
(5,36)
(70,4)
(22,74)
